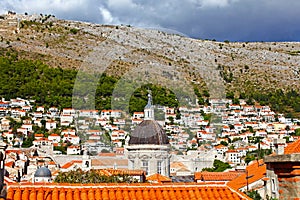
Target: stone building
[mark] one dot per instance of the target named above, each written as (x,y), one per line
(148,146)
(283,170)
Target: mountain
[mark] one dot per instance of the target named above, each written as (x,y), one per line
(152,55)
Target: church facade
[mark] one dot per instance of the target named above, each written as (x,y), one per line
(148,147)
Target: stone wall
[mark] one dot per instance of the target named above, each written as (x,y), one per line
(284,172)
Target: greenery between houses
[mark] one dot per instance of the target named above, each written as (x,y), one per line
(218,166)
(91,176)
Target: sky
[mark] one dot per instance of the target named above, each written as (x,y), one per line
(233,20)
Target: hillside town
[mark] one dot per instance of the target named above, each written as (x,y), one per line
(40,142)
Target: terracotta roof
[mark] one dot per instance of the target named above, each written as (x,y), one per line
(10,164)
(254,172)
(293,147)
(122,191)
(109,161)
(110,172)
(216,176)
(107,154)
(69,164)
(158,178)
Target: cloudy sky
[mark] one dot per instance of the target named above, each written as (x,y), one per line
(234,20)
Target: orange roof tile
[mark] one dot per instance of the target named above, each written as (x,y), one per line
(293,147)
(69,164)
(158,178)
(107,154)
(216,176)
(122,191)
(254,172)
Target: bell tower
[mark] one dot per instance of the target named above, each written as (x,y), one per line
(149,109)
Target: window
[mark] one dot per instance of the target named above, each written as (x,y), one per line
(159,163)
(145,166)
(273,185)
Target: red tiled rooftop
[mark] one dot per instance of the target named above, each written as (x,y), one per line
(69,164)
(293,147)
(158,178)
(107,154)
(122,191)
(255,171)
(216,176)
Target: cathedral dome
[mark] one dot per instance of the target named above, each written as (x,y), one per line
(148,132)
(42,172)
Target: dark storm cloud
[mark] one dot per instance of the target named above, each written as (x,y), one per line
(235,20)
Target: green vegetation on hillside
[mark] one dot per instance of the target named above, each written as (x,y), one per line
(34,80)
(54,86)
(287,102)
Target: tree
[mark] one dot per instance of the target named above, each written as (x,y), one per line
(218,166)
(224,143)
(171,119)
(254,195)
(297,132)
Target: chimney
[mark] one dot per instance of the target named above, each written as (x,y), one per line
(279,146)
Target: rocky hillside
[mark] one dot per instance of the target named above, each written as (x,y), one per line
(125,51)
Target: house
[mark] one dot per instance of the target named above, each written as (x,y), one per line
(221,149)
(38,136)
(94,132)
(68,132)
(179,169)
(18,102)
(66,119)
(50,124)
(3,112)
(136,121)
(158,178)
(233,156)
(24,131)
(27,126)
(5,124)
(40,109)
(88,113)
(252,178)
(55,138)
(111,113)
(101,121)
(42,142)
(118,135)
(26,108)
(71,138)
(4,104)
(69,111)
(71,165)
(73,150)
(9,136)
(138,115)
(94,137)
(38,115)
(53,110)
